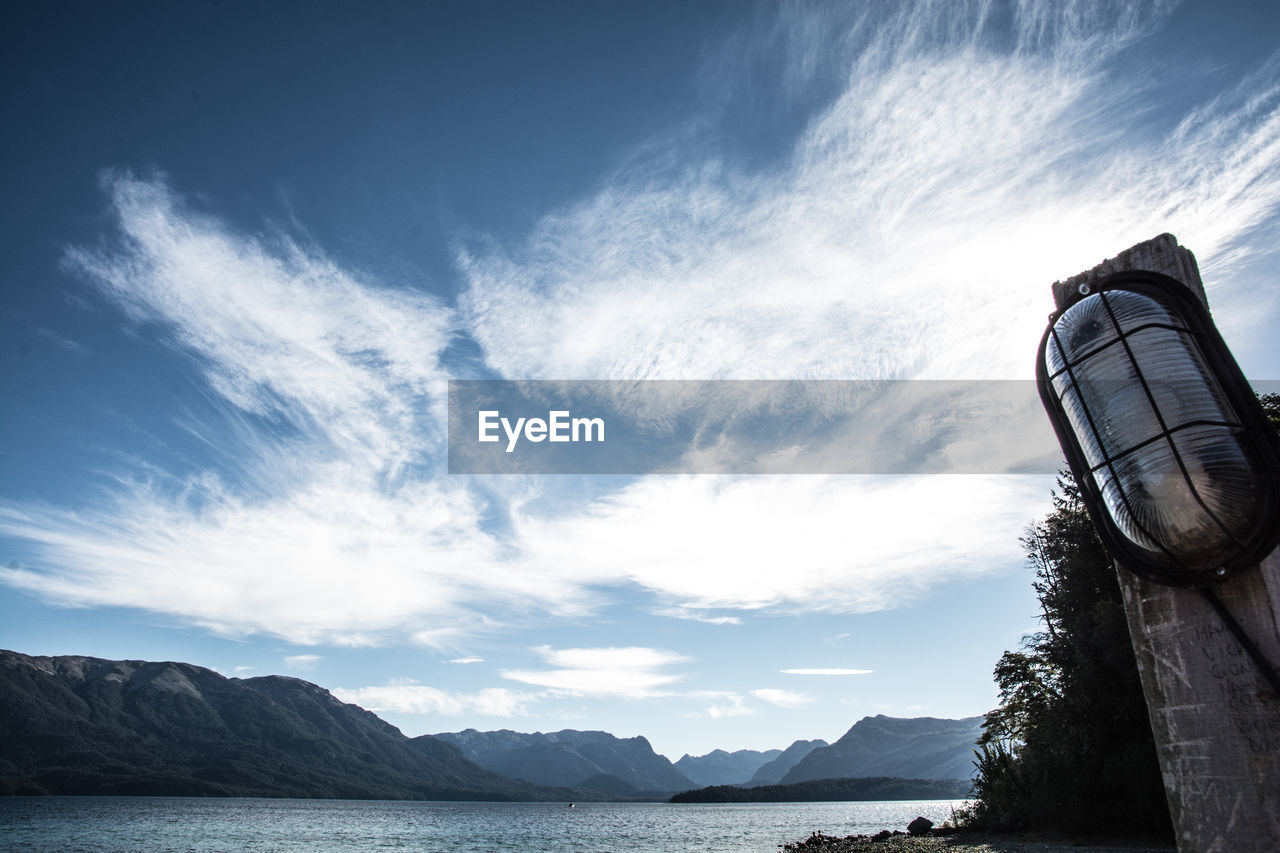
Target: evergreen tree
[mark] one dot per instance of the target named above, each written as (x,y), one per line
(1071,748)
(1271,408)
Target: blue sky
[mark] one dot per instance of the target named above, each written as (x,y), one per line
(247,245)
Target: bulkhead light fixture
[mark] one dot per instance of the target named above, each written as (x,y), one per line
(1173,455)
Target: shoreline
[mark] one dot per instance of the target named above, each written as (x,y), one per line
(963,842)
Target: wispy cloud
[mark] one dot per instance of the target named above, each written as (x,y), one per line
(467,660)
(914,228)
(302,662)
(784,698)
(724,703)
(835,544)
(321,520)
(60,340)
(910,230)
(825,671)
(280,330)
(629,672)
(697,616)
(408,697)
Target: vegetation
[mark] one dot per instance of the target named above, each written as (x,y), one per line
(1271,407)
(1070,748)
(832,790)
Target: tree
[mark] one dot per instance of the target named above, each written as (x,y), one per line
(1271,408)
(1071,748)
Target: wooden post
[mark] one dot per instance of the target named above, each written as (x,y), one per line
(1215,718)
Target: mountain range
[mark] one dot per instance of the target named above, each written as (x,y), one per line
(83,725)
(719,767)
(773,772)
(746,766)
(572,758)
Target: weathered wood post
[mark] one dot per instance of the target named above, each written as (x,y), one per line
(1215,717)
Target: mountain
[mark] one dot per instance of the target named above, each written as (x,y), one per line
(772,772)
(569,757)
(83,725)
(724,768)
(919,748)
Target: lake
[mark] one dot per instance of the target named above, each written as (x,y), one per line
(68,824)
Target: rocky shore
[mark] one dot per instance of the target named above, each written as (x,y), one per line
(961,842)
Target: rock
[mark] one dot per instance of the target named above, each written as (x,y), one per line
(920,826)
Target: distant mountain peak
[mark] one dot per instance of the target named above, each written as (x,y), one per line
(909,747)
(568,757)
(721,767)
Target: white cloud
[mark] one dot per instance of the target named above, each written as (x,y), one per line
(835,544)
(407,697)
(724,703)
(281,331)
(826,671)
(915,227)
(783,698)
(302,662)
(911,231)
(333,560)
(467,660)
(323,521)
(629,672)
(697,616)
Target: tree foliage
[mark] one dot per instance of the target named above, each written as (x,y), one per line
(1071,748)
(1271,408)
(862,788)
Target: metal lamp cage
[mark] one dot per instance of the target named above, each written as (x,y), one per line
(1174,457)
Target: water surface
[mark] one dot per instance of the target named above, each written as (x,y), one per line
(99,824)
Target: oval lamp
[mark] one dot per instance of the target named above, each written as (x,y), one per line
(1174,457)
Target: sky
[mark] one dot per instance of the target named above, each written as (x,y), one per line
(246,247)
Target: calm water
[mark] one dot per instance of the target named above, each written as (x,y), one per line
(326,826)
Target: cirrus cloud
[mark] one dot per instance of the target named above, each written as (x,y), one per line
(628,672)
(408,697)
(825,671)
(909,230)
(783,698)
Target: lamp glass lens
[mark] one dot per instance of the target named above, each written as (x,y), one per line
(1180,381)
(1084,327)
(1133,310)
(1153,505)
(1079,420)
(1224,473)
(1109,388)
(1166,455)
